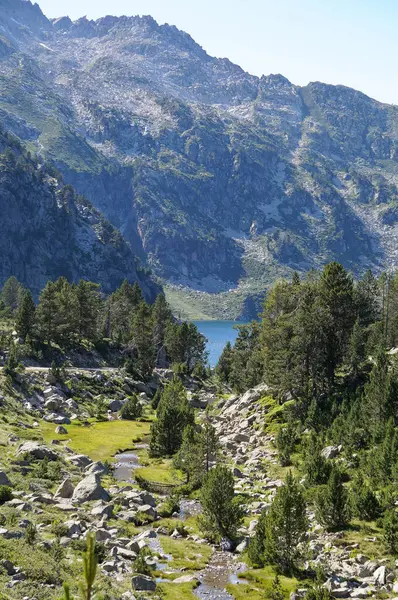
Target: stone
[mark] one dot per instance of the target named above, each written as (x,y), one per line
(8,567)
(36,450)
(65,490)
(242,546)
(186,579)
(90,488)
(330,452)
(148,510)
(103,510)
(380,576)
(4,479)
(60,430)
(142,583)
(52,403)
(238,473)
(96,468)
(102,535)
(80,460)
(115,405)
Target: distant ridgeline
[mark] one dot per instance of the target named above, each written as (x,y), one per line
(77,317)
(220,181)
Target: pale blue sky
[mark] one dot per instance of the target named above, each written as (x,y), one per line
(349,42)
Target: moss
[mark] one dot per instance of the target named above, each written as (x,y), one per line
(187,555)
(100,441)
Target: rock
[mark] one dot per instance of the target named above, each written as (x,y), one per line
(102,510)
(330,452)
(380,576)
(90,488)
(80,460)
(115,405)
(242,546)
(52,403)
(148,510)
(4,479)
(65,490)
(36,450)
(8,567)
(238,473)
(186,579)
(142,583)
(102,535)
(110,566)
(60,430)
(96,468)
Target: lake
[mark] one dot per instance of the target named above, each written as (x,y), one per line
(218,333)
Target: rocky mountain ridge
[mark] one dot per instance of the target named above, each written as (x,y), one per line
(48,230)
(221,181)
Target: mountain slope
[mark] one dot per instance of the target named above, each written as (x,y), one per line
(221,181)
(47,230)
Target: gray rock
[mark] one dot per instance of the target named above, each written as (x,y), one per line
(36,450)
(96,468)
(4,479)
(65,490)
(60,430)
(331,452)
(141,583)
(90,488)
(80,460)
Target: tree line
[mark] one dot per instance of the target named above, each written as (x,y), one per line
(69,315)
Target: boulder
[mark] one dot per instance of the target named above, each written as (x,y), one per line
(142,583)
(115,405)
(80,460)
(147,510)
(238,473)
(96,468)
(52,403)
(186,579)
(65,490)
(60,430)
(330,452)
(380,576)
(4,479)
(90,488)
(36,450)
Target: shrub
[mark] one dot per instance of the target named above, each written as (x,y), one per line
(132,410)
(5,494)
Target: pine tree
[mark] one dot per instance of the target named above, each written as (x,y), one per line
(222,510)
(224,365)
(356,349)
(185,344)
(142,339)
(376,407)
(46,312)
(12,293)
(280,531)
(26,316)
(161,316)
(332,505)
(89,306)
(173,415)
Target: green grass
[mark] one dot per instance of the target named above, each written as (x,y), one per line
(178,591)
(159,471)
(100,441)
(260,580)
(187,555)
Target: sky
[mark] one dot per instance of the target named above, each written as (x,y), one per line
(348,42)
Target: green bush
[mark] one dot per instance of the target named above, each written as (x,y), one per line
(132,410)
(5,494)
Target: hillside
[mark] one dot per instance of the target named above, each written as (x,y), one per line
(48,231)
(221,181)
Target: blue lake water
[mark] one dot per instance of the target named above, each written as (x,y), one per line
(218,333)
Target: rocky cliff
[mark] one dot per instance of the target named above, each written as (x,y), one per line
(220,180)
(47,230)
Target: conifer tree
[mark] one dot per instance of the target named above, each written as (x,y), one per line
(222,510)
(332,505)
(173,415)
(12,293)
(280,530)
(142,339)
(224,365)
(26,316)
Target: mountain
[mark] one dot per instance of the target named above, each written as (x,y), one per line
(220,181)
(47,230)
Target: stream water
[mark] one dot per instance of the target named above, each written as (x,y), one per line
(223,567)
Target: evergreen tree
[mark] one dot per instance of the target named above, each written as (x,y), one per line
(173,415)
(222,510)
(132,409)
(224,365)
(184,344)
(142,339)
(46,312)
(189,459)
(376,407)
(89,306)
(280,530)
(357,346)
(26,316)
(332,506)
(161,317)
(336,294)
(316,466)
(12,293)
(390,532)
